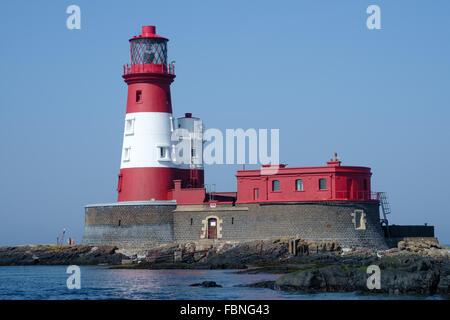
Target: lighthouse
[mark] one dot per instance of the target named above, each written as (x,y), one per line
(149,165)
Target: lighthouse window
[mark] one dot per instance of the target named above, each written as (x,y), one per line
(138,96)
(149,50)
(126,153)
(322,184)
(119,183)
(275,185)
(299,185)
(129,127)
(163,153)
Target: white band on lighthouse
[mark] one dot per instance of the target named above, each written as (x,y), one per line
(147,140)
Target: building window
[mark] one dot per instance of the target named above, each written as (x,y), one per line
(192,221)
(359,219)
(275,185)
(232,220)
(322,184)
(129,126)
(365,185)
(255,194)
(138,95)
(119,183)
(163,153)
(299,185)
(126,153)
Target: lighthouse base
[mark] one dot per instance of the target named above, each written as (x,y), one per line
(152,223)
(131,224)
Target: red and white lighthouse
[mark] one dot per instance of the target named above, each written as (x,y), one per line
(147,168)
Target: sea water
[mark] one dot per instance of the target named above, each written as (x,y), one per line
(100,282)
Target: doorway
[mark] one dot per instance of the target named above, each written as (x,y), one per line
(212,228)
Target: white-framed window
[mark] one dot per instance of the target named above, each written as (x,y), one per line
(299,185)
(129,126)
(256,194)
(126,154)
(163,153)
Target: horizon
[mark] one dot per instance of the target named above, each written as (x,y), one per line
(379,98)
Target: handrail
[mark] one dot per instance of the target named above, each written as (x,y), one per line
(149,68)
(357,195)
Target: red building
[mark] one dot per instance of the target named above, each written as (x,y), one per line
(284,184)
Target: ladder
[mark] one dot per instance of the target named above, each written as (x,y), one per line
(384,204)
(386,208)
(193,176)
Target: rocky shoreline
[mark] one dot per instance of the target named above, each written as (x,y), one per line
(59,255)
(415,267)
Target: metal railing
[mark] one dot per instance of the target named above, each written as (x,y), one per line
(357,195)
(148,68)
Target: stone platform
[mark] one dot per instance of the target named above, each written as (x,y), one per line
(152,223)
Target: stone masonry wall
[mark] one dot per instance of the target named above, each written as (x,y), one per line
(128,225)
(350,223)
(310,221)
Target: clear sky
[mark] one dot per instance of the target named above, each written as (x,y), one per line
(379,98)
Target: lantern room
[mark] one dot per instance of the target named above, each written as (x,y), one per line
(148,53)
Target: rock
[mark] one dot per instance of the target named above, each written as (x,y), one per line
(263,284)
(405,274)
(331,278)
(207,284)
(59,255)
(424,246)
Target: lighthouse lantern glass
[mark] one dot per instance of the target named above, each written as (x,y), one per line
(149,51)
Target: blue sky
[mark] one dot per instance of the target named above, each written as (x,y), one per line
(312,69)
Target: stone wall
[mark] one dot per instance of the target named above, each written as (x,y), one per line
(314,221)
(399,233)
(349,223)
(414,231)
(140,225)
